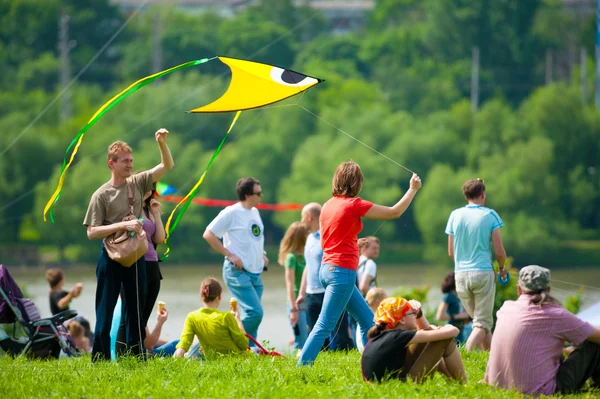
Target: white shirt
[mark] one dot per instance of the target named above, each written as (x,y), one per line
(242,232)
(368,267)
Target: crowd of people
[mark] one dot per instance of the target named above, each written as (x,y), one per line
(333,301)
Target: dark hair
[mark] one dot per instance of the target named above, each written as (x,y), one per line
(210,289)
(541,298)
(473,188)
(448,283)
(54,277)
(245,186)
(376,330)
(152,196)
(347,180)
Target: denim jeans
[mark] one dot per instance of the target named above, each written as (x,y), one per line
(300,330)
(247,288)
(166,350)
(337,340)
(340,293)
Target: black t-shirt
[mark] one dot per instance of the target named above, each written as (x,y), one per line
(384,355)
(55,297)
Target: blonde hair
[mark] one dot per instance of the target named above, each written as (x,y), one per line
(293,241)
(347,180)
(117,147)
(375,295)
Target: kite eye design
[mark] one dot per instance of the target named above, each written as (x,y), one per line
(290,78)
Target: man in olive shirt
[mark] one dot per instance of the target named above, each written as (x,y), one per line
(108,206)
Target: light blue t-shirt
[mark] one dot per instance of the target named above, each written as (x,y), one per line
(313,254)
(472,228)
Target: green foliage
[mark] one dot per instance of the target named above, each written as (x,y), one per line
(574,302)
(400,86)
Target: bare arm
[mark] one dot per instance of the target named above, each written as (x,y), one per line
(215,243)
(441,314)
(97,232)
(302,291)
(179,352)
(499,247)
(595,336)
(365,283)
(66,300)
(445,332)
(166,160)
(289,285)
(159,235)
(381,212)
(451,246)
(152,339)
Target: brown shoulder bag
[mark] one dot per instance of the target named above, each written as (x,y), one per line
(126,247)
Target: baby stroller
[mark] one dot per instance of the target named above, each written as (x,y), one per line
(44,337)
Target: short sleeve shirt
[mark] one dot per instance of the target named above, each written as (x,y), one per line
(313,254)
(296,263)
(242,232)
(472,228)
(110,204)
(384,355)
(340,224)
(366,267)
(55,298)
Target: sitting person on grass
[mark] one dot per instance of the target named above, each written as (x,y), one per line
(403,345)
(219,333)
(59,298)
(77,332)
(527,346)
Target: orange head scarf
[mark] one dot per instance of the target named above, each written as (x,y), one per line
(391,310)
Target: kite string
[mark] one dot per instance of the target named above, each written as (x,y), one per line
(575,284)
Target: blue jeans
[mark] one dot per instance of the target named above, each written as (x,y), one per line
(301,328)
(247,288)
(340,293)
(166,350)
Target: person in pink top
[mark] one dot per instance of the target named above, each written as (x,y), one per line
(527,346)
(341,221)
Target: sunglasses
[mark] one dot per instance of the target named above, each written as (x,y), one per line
(260,194)
(412,312)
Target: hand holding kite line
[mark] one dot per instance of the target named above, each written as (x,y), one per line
(253,85)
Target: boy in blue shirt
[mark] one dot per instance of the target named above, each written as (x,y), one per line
(471,231)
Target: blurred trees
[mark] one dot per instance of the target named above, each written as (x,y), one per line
(400,86)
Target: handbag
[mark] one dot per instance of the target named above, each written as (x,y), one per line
(126,247)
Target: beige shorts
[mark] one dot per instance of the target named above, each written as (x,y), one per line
(477,291)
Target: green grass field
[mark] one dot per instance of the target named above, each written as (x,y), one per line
(335,375)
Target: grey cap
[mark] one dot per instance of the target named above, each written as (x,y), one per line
(534,278)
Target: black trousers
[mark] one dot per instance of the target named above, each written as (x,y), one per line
(581,365)
(153,277)
(340,338)
(111,278)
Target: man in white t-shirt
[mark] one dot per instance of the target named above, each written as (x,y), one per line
(366,274)
(241,229)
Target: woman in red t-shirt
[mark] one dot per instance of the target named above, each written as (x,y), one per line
(340,224)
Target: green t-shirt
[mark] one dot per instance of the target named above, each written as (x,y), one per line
(297,263)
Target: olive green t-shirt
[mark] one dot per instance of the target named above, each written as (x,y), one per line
(110,204)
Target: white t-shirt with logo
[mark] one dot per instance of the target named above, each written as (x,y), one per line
(366,266)
(242,232)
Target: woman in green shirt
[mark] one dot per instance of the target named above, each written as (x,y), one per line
(219,333)
(291,256)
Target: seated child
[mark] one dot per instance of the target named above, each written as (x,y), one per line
(452,310)
(218,332)
(59,298)
(78,333)
(373,298)
(403,345)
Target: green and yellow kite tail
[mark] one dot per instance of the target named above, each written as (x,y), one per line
(185,202)
(76,142)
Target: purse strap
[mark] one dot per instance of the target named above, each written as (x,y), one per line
(130,195)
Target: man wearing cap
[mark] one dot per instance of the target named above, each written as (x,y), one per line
(528,342)
(471,230)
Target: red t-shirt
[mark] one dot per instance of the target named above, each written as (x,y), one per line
(340,224)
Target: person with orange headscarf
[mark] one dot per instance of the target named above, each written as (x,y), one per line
(403,345)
